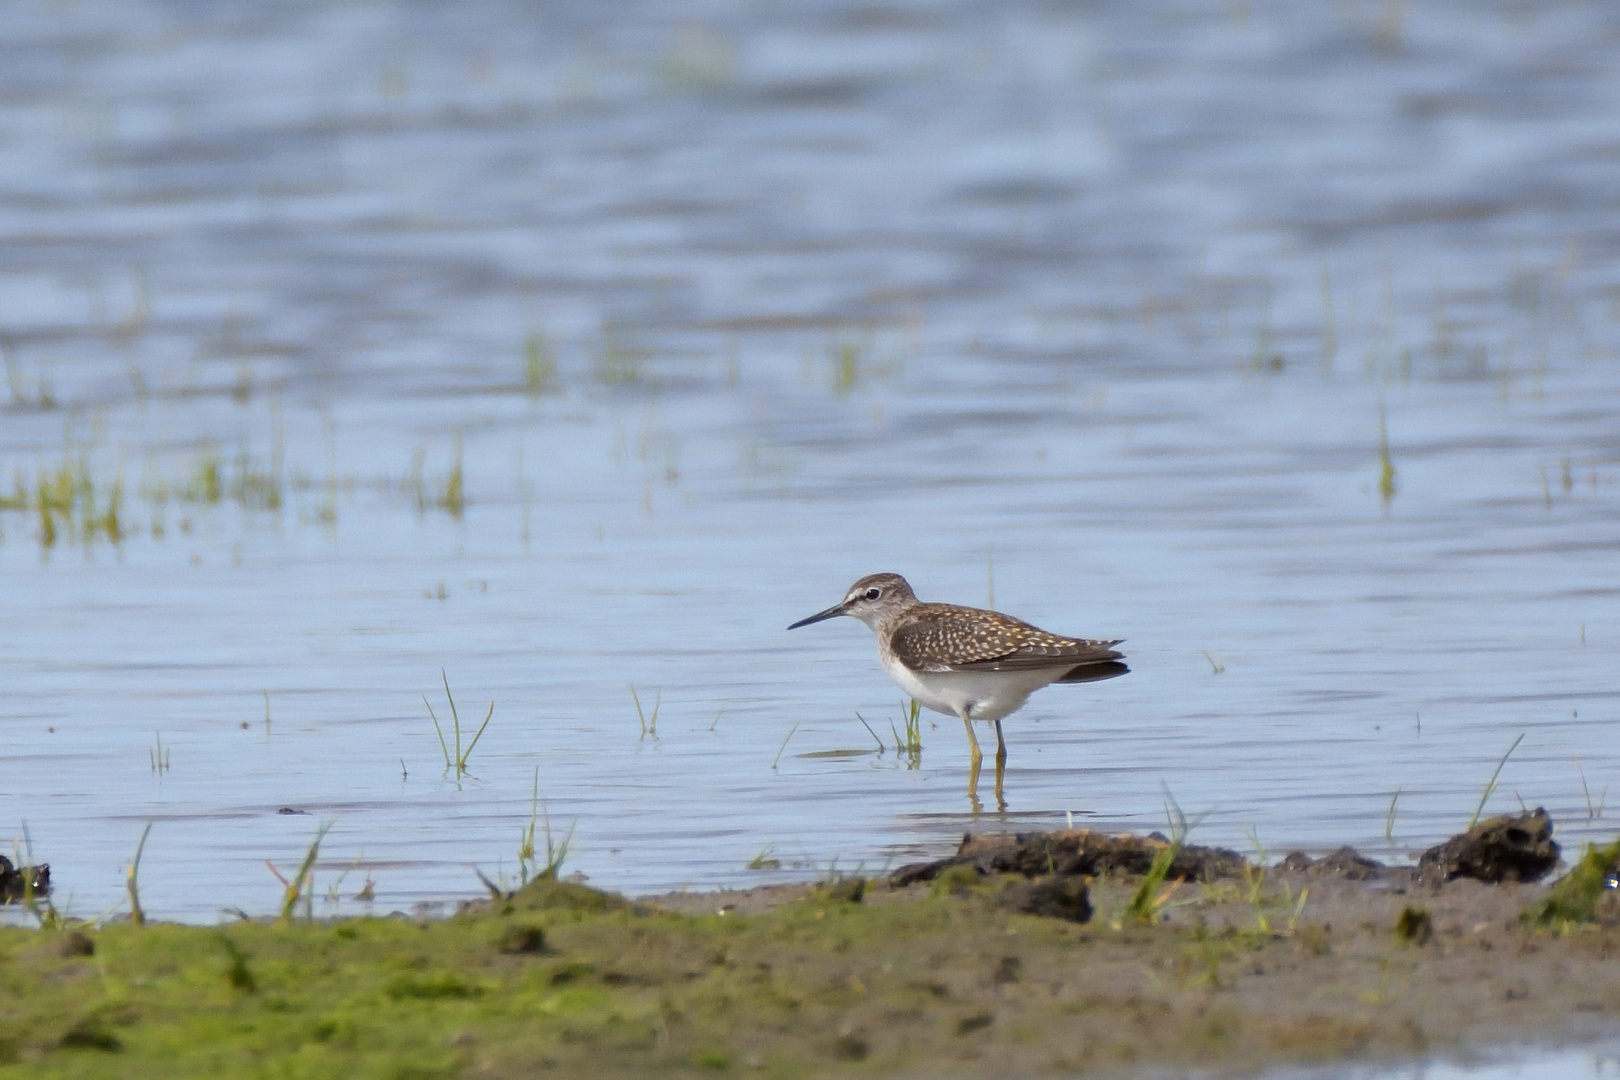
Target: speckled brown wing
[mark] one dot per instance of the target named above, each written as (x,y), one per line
(943,637)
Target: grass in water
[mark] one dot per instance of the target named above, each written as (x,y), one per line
(539,365)
(1386,466)
(1593,812)
(457,761)
(1490,786)
(616,361)
(454,499)
(159,756)
(69,505)
(881,746)
(909,746)
(301,887)
(649,724)
(777,759)
(530,868)
(136,915)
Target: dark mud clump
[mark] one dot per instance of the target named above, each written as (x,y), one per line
(1346,863)
(18,882)
(1511,847)
(1052,897)
(1074,853)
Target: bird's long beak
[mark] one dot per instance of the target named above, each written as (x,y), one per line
(832,612)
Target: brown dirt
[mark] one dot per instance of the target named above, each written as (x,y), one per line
(1240,968)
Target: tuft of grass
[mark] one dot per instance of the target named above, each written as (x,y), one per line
(649,725)
(1147,903)
(1573,898)
(530,868)
(301,887)
(1490,785)
(1414,926)
(159,756)
(539,365)
(1255,875)
(43,395)
(451,498)
(238,974)
(254,487)
(66,499)
(843,366)
(909,746)
(458,760)
(205,485)
(454,499)
(1592,812)
(1386,466)
(764,860)
(136,914)
(1389,816)
(616,362)
(1148,900)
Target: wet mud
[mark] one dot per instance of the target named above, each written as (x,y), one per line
(1028,954)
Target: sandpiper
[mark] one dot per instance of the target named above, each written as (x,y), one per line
(968,662)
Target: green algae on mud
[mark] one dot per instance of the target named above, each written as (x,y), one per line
(936,979)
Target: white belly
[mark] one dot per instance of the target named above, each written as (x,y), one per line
(981,695)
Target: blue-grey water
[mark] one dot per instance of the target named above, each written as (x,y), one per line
(572,348)
(1524,1063)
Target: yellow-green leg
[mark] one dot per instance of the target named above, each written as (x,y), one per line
(1001,765)
(975,759)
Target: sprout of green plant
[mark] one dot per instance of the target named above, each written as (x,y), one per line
(457,761)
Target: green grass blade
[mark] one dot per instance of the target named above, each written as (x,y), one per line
(443,749)
(1490,787)
(296,887)
(478,736)
(136,915)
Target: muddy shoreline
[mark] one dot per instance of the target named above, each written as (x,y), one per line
(1035,954)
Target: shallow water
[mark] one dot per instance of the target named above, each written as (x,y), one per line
(1098,314)
(1537,1063)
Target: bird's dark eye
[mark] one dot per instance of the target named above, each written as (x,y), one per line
(873,593)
